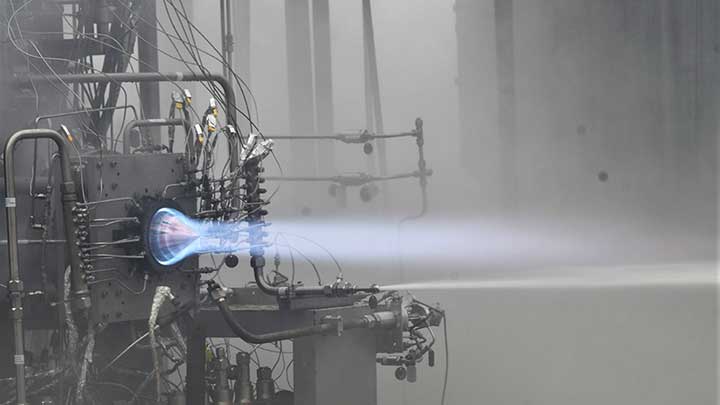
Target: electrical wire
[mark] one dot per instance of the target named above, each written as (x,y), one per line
(447,360)
(305,257)
(45,60)
(190,37)
(287,374)
(241,83)
(280,355)
(326,250)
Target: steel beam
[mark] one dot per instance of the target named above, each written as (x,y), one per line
(325,114)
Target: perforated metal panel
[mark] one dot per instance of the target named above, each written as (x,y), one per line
(119,291)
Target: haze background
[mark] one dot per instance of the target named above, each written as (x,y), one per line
(626,88)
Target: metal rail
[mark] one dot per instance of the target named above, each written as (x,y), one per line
(352,180)
(46,117)
(360,137)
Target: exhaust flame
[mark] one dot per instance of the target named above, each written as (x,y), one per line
(172,237)
(678,275)
(456,246)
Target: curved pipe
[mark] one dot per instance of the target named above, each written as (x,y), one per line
(258,264)
(328,290)
(156,122)
(422,169)
(143,77)
(15,286)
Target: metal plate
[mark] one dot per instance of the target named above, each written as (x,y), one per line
(119,292)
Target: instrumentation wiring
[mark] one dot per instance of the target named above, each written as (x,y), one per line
(115,254)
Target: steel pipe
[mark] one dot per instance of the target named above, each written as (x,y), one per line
(155,122)
(15,286)
(380,320)
(144,77)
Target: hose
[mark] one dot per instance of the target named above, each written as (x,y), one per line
(260,338)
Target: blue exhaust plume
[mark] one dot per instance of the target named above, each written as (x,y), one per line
(172,237)
(479,252)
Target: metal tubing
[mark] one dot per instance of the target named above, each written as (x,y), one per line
(350,181)
(156,122)
(258,272)
(40,118)
(344,137)
(15,286)
(255,338)
(422,170)
(143,77)
(382,320)
(328,290)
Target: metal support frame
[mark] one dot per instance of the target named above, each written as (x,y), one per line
(241,38)
(364,332)
(507,105)
(324,114)
(226,40)
(143,77)
(195,377)
(149,62)
(373,105)
(336,370)
(300,87)
(15,285)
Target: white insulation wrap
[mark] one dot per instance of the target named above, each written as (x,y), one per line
(162,293)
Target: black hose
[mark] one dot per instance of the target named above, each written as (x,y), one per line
(259,338)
